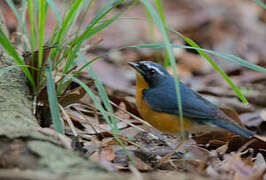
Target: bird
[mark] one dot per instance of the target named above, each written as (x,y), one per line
(156,102)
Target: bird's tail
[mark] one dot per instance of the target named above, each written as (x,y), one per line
(233,127)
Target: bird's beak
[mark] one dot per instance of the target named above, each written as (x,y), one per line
(136,67)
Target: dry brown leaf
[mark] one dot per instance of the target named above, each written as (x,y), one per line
(232,114)
(218,136)
(191,165)
(252,119)
(105,153)
(74,95)
(141,166)
(259,163)
(222,149)
(195,152)
(31,59)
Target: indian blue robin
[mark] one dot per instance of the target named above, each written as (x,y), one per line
(156,102)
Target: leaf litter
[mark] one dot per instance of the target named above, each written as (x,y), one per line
(235,28)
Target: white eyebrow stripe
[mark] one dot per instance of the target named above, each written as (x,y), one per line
(156,69)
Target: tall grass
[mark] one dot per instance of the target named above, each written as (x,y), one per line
(65,55)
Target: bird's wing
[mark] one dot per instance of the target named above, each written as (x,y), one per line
(193,105)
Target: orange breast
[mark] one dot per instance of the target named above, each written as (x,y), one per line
(162,121)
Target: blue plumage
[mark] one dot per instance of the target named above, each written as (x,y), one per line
(164,99)
(161,96)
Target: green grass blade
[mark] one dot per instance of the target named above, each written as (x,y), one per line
(102,94)
(35,17)
(12,52)
(88,34)
(232,58)
(159,23)
(85,13)
(149,20)
(32,29)
(85,35)
(100,27)
(93,97)
(214,65)
(52,98)
(55,10)
(8,68)
(36,9)
(19,16)
(101,109)
(69,61)
(99,15)
(41,31)
(260,3)
(159,7)
(236,59)
(66,20)
(72,22)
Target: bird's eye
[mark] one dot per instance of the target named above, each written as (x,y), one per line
(152,71)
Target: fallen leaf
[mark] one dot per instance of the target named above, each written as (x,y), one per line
(105,153)
(232,114)
(259,163)
(31,59)
(141,166)
(74,95)
(213,137)
(195,152)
